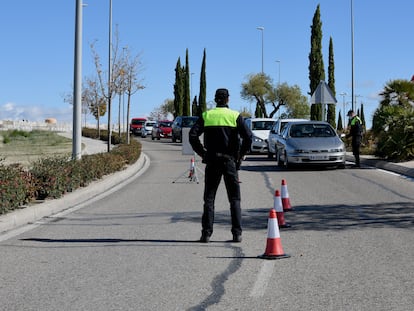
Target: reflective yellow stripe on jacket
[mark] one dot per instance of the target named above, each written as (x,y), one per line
(220,116)
(355,120)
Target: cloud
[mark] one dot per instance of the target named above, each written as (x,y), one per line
(15,112)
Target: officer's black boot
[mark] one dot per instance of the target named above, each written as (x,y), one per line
(357,161)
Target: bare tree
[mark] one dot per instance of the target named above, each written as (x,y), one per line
(124,78)
(68,98)
(95,101)
(108,89)
(131,69)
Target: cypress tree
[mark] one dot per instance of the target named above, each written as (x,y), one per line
(186,99)
(195,107)
(362,115)
(178,90)
(316,112)
(331,83)
(202,103)
(316,67)
(340,126)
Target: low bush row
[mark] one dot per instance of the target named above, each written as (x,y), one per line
(52,177)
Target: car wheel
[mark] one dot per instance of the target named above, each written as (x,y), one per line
(279,161)
(285,160)
(158,138)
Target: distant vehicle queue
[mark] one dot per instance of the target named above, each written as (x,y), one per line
(289,141)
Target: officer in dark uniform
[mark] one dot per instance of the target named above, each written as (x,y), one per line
(222,154)
(355,132)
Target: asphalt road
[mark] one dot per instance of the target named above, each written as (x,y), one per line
(136,249)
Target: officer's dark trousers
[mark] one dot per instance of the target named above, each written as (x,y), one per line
(215,169)
(356,143)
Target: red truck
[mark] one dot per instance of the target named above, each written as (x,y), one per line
(136,125)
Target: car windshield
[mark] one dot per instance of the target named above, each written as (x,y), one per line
(311,130)
(189,122)
(138,122)
(262,125)
(165,124)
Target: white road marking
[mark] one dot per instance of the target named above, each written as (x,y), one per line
(263,278)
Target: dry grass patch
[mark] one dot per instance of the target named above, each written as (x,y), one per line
(26,147)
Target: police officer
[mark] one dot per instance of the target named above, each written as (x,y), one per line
(222,154)
(355,132)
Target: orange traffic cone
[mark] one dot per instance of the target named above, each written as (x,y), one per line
(274,249)
(285,197)
(192,168)
(277,205)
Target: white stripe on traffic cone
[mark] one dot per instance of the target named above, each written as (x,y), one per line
(285,197)
(277,205)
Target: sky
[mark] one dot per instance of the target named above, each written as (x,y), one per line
(37,50)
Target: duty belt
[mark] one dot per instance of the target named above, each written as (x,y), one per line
(224,156)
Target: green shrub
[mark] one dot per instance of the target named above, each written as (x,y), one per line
(130,152)
(393,121)
(52,177)
(16,187)
(395,133)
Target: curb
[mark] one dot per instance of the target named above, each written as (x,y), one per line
(74,200)
(388,166)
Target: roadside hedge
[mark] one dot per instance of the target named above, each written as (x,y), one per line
(52,177)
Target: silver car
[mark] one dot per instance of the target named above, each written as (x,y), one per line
(147,128)
(310,143)
(274,134)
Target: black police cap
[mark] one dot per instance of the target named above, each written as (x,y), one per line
(222,93)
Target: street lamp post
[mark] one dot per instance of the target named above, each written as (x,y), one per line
(352,54)
(191,94)
(109,75)
(343,94)
(278,61)
(356,102)
(278,83)
(77,88)
(262,30)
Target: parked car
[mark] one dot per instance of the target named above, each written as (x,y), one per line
(310,143)
(146,129)
(161,129)
(274,134)
(260,128)
(179,123)
(136,125)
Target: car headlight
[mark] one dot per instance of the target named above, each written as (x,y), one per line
(336,150)
(257,139)
(299,151)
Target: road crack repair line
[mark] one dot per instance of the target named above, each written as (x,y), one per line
(217,285)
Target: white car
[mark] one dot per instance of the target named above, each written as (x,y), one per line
(147,128)
(260,128)
(274,134)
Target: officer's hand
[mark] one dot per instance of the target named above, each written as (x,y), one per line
(238,164)
(203,157)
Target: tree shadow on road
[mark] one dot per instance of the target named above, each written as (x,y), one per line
(339,217)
